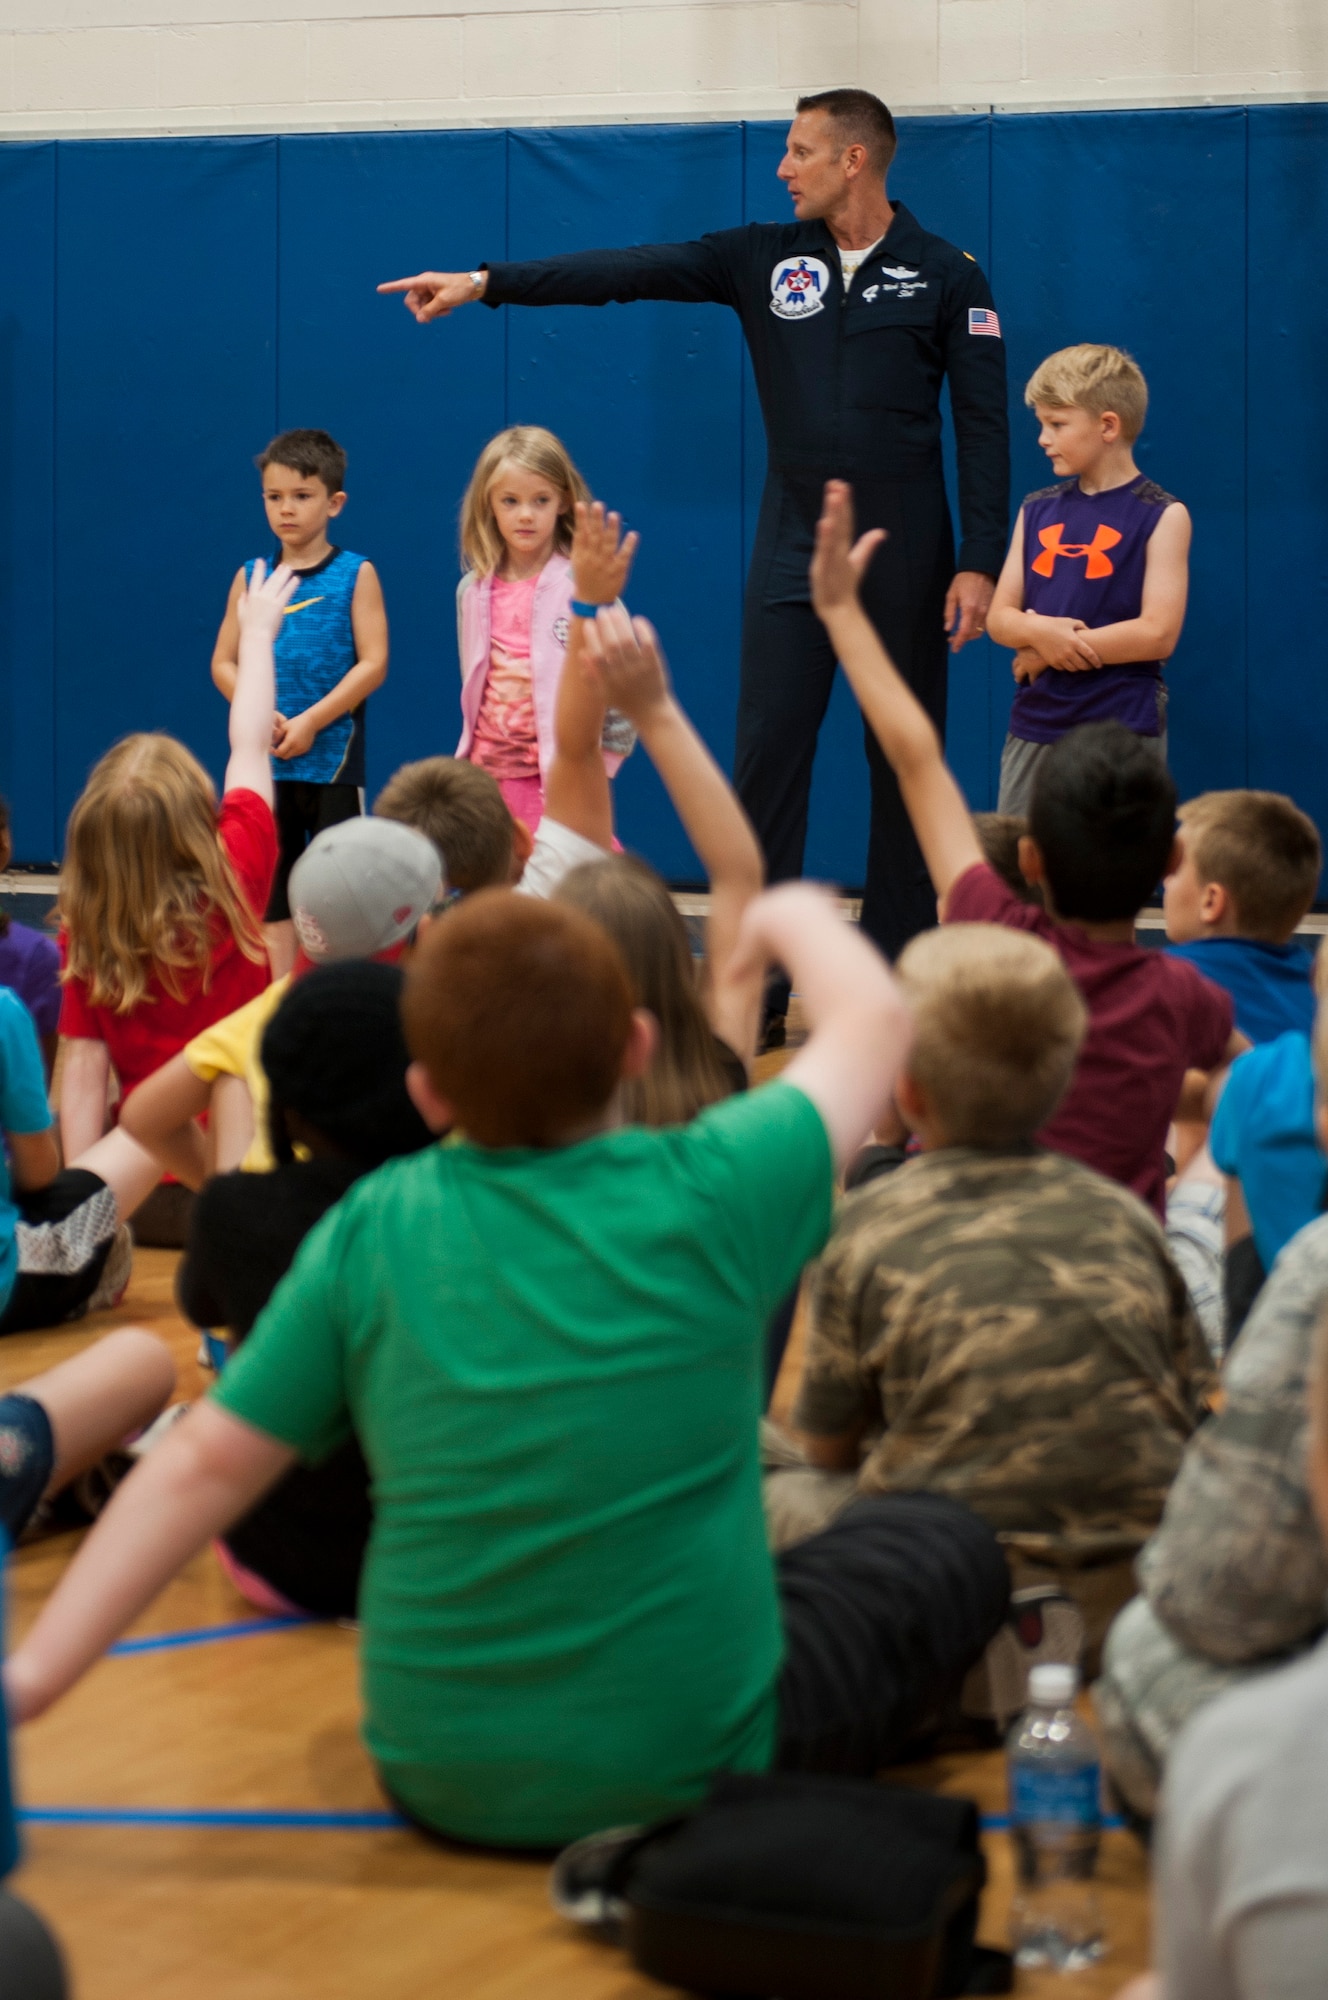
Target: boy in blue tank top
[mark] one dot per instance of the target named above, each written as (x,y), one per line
(1092,595)
(331,655)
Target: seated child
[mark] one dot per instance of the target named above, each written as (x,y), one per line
(1241,1870)
(461,809)
(335,1059)
(161,899)
(1089,641)
(993,1321)
(360,890)
(59,1423)
(1247,873)
(30,962)
(1101,836)
(1235,1577)
(331,655)
(547,1338)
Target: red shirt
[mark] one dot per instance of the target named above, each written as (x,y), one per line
(1150,1018)
(158,1028)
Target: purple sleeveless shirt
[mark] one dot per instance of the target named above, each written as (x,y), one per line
(1084,557)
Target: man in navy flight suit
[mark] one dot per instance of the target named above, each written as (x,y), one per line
(853,315)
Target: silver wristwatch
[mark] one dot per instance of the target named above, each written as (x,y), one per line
(477,280)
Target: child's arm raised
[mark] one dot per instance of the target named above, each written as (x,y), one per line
(623,655)
(260,611)
(860,1023)
(576,790)
(902,727)
(368,618)
(204,1474)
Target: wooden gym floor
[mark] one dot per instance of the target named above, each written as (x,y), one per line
(202,1818)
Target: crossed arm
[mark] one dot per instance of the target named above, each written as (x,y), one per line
(1040,642)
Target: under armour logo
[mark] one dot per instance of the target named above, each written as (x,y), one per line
(1099,562)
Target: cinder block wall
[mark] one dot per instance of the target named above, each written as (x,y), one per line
(149,66)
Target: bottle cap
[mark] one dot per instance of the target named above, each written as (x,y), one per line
(1053,1686)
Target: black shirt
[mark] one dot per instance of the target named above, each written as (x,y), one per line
(850,382)
(306,1537)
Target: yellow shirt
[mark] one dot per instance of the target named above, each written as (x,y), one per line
(230,1047)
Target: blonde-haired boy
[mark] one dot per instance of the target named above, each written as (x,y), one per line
(1092,595)
(992,1321)
(1246,875)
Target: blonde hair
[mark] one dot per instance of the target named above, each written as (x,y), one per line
(534,450)
(998,1025)
(1096,379)
(631,902)
(1263,850)
(146,881)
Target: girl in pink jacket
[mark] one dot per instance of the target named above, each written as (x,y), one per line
(513,606)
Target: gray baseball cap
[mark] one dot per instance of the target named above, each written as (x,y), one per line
(361,887)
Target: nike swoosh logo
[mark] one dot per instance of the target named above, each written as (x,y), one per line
(303,604)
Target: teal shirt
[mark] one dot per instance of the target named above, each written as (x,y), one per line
(553,1364)
(23,1108)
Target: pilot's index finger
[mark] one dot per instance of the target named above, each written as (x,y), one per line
(402,284)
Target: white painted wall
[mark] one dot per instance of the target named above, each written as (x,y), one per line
(124,66)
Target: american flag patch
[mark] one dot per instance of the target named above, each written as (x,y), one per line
(981,319)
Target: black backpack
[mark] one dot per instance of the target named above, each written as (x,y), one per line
(801,1887)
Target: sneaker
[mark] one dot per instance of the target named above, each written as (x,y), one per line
(1044,1627)
(116,1272)
(586,1885)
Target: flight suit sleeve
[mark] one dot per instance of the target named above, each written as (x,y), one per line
(975,364)
(701,272)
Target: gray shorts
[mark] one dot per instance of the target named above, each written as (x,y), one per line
(1019,763)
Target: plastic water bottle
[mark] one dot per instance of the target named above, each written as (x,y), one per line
(1056,1820)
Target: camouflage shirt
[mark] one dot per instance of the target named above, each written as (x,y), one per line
(1008,1328)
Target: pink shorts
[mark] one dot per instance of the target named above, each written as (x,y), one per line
(524,799)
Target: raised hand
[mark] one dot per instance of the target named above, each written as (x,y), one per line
(601,554)
(263,605)
(434,294)
(838,562)
(624,662)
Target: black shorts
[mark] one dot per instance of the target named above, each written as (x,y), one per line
(64,1235)
(304,810)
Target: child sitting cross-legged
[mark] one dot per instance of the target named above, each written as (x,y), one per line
(1101,835)
(547,1338)
(994,1321)
(359,890)
(334,1059)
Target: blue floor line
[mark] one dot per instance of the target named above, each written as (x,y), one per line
(343,1822)
(204,1635)
(221,1816)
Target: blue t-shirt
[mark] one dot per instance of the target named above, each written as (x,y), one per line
(23,1108)
(315,650)
(1263,1134)
(1269,983)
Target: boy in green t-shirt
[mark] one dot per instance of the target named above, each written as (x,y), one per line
(547,1338)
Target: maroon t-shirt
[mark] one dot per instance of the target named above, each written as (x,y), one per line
(1150,1018)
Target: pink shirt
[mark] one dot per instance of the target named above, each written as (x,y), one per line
(506,737)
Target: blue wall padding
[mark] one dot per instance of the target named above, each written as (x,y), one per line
(1130,227)
(27,493)
(1285,603)
(166,304)
(412,406)
(165,346)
